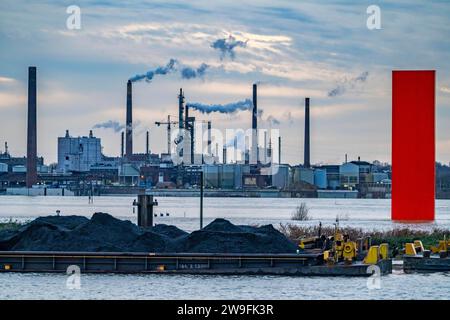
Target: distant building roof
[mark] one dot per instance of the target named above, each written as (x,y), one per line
(361,163)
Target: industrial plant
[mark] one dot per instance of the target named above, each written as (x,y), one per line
(242,167)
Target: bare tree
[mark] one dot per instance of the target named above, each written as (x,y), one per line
(301,213)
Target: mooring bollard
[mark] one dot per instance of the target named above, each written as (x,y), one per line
(145,204)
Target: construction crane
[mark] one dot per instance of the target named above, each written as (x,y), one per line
(169,124)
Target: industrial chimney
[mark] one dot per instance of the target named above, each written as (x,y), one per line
(122,142)
(31,177)
(129,122)
(180,109)
(279,149)
(265,147)
(209,139)
(306,162)
(224,155)
(147,146)
(255,126)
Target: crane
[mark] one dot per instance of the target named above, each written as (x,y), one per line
(169,124)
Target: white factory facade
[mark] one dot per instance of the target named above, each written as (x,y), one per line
(78,153)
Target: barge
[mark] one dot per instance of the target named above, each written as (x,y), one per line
(425,264)
(417,259)
(300,264)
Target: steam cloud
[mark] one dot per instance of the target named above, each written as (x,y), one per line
(246,104)
(227,46)
(348,84)
(185,72)
(110,124)
(162,70)
(190,73)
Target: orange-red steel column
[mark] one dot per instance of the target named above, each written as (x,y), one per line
(413,145)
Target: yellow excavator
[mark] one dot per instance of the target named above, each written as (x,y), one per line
(443,246)
(442,249)
(340,247)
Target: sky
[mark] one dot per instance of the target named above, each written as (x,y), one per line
(292,49)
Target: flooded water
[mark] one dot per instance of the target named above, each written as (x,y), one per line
(164,287)
(184,213)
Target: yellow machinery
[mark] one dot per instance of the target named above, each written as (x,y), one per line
(307,243)
(384,251)
(444,245)
(349,251)
(372,255)
(410,249)
(343,249)
(418,246)
(377,253)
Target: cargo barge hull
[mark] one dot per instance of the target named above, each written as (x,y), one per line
(185,263)
(422,264)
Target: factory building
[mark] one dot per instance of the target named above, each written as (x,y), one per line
(225,176)
(320,178)
(349,175)
(78,153)
(364,168)
(280,179)
(302,174)
(332,175)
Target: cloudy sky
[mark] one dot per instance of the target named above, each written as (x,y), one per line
(293,49)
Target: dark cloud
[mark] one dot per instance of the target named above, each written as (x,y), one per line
(226,46)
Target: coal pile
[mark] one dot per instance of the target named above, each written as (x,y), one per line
(224,237)
(104,233)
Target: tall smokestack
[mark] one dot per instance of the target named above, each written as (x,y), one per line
(186,117)
(235,147)
(122,142)
(306,162)
(224,155)
(189,125)
(191,129)
(31,177)
(255,125)
(269,151)
(180,109)
(209,138)
(147,149)
(129,123)
(279,149)
(265,146)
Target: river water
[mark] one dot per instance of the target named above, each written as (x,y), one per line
(184,213)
